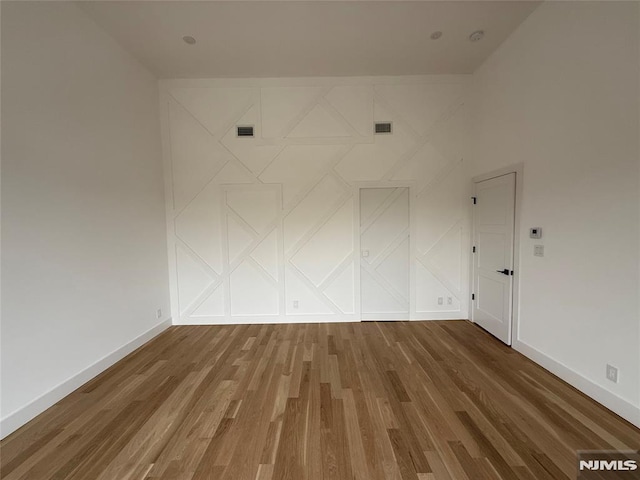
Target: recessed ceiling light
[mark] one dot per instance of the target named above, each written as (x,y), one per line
(436,35)
(189,40)
(477,35)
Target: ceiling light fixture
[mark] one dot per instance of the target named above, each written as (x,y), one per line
(189,40)
(436,35)
(477,35)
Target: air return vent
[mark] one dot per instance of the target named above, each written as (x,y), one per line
(245,130)
(383,127)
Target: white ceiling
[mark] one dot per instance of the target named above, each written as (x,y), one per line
(303,38)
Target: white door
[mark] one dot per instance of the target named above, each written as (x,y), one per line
(384,252)
(493,232)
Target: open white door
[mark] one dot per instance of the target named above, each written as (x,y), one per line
(493,234)
(384,252)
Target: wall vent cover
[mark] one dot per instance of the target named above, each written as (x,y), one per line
(383,127)
(245,131)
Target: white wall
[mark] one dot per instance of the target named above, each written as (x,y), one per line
(256,224)
(561,95)
(84,247)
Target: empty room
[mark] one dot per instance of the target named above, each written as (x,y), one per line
(320,240)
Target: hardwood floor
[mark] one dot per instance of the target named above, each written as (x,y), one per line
(420,400)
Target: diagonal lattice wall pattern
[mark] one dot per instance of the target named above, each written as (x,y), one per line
(266,229)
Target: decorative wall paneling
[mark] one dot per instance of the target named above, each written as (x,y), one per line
(266,229)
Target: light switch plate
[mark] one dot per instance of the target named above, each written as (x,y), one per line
(535,232)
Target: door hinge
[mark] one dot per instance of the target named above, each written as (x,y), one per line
(475,200)
(474,249)
(473,296)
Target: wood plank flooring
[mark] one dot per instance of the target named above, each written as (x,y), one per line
(367,401)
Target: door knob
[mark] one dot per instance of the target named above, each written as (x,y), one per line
(504,272)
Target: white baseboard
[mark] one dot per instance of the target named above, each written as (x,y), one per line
(268,319)
(380,317)
(444,315)
(317,318)
(18,418)
(618,405)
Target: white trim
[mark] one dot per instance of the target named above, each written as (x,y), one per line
(442,315)
(269,319)
(616,404)
(518,169)
(320,318)
(169,210)
(19,417)
(515,168)
(167,84)
(381,317)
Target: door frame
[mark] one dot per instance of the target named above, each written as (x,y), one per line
(518,169)
(357,186)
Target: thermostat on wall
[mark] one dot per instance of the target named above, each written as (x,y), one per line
(535,232)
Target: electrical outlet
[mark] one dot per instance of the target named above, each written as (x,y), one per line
(449,301)
(538,250)
(440,300)
(159,313)
(296,304)
(612,373)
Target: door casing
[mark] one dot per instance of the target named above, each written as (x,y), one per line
(518,169)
